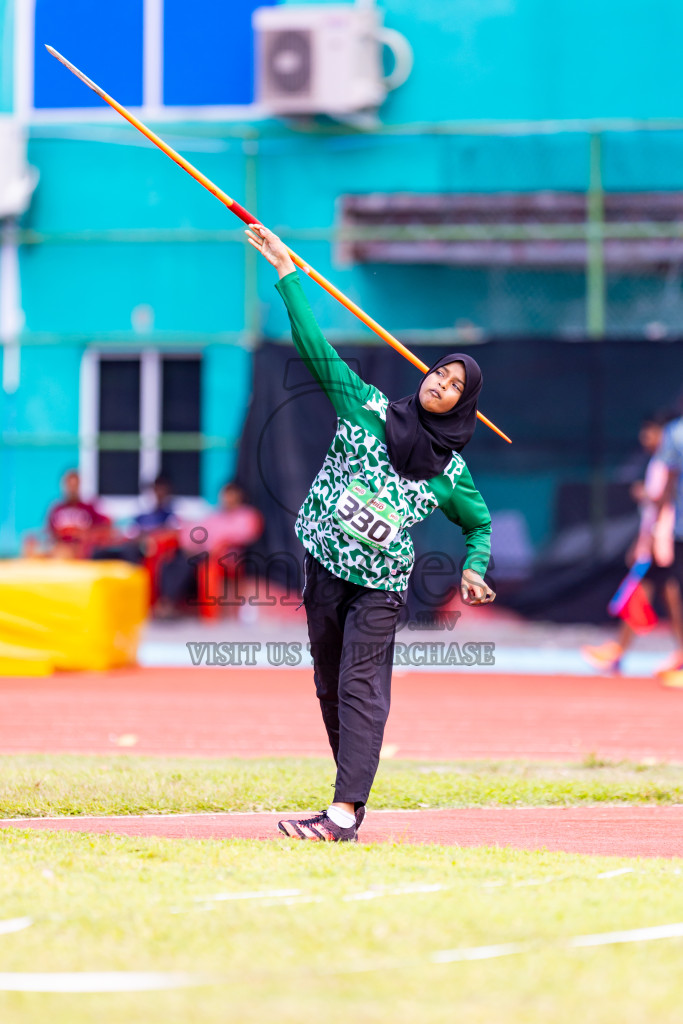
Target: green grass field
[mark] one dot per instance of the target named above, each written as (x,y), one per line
(36,784)
(356,936)
(329,951)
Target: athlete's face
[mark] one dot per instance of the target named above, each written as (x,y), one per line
(442,388)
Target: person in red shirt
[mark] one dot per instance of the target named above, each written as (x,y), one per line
(72,523)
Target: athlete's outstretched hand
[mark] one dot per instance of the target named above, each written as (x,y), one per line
(474,590)
(273,248)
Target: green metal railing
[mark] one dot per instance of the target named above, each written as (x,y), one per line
(115,441)
(595,232)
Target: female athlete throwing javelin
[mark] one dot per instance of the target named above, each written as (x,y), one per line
(390,465)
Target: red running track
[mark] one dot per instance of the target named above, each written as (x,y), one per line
(246,712)
(606,831)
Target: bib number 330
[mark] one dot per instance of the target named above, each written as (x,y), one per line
(366,517)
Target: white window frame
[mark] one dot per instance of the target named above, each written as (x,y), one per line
(152,107)
(126,506)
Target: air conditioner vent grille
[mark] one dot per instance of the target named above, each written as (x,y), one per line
(288,63)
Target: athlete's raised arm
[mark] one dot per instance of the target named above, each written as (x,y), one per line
(345,389)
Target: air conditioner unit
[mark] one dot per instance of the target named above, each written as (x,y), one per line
(324,59)
(17,179)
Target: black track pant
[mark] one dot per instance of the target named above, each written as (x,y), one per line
(352,630)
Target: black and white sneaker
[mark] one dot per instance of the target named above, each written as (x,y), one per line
(319,829)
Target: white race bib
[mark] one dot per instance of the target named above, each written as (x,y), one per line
(366,517)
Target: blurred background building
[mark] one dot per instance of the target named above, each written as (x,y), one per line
(516,186)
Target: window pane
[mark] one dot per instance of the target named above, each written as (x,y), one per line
(119,394)
(180,412)
(182,469)
(119,472)
(209,51)
(103,40)
(180,379)
(119,410)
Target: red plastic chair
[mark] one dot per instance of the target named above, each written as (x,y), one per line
(159,546)
(212,578)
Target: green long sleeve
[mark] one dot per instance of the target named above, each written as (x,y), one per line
(344,388)
(467,509)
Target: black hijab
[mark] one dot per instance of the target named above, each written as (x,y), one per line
(421,443)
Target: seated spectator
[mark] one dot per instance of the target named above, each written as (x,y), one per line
(233,526)
(139,541)
(162,514)
(73,526)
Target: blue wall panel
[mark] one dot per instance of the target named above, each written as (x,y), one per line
(208,51)
(103,40)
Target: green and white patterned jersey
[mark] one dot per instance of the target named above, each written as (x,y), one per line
(356,517)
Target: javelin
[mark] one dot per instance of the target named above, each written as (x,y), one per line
(247,217)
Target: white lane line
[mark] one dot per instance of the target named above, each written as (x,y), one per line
(266,898)
(521,883)
(538,881)
(292,901)
(140,981)
(15,924)
(264,895)
(662,931)
(404,890)
(449,956)
(290,897)
(96,981)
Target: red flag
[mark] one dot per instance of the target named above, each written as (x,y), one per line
(638,613)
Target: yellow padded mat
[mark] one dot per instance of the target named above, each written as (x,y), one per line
(70,614)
